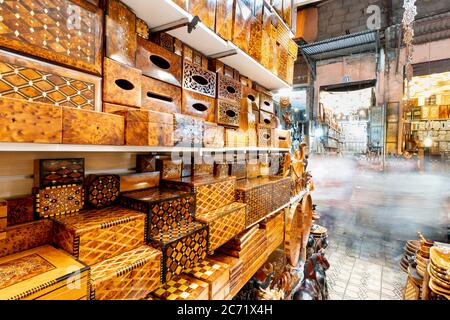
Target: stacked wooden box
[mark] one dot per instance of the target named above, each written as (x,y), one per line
(274,227)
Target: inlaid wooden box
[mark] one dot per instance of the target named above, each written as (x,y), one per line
(121,84)
(165,208)
(67,32)
(202,169)
(224,19)
(120,33)
(198,105)
(20,210)
(199,80)
(3,218)
(160,96)
(274,231)
(182,287)
(282,138)
(139,181)
(188,131)
(205,10)
(281,193)
(145,163)
(99,234)
(43,273)
(169,169)
(128,276)
(56,172)
(213,135)
(236,269)
(210,192)
(148,128)
(102,190)
(242,23)
(221,169)
(23,121)
(159,63)
(253,169)
(182,248)
(90,127)
(228,113)
(266,103)
(228,89)
(224,223)
(216,274)
(264,136)
(235,138)
(164,40)
(238,169)
(58,200)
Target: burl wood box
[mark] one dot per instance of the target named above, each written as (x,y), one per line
(160,96)
(128,276)
(99,234)
(142,28)
(264,136)
(20,210)
(3,218)
(120,33)
(56,172)
(182,287)
(266,103)
(238,169)
(202,169)
(165,208)
(242,23)
(213,135)
(158,63)
(255,45)
(221,169)
(23,121)
(216,274)
(224,19)
(267,119)
(282,138)
(121,84)
(198,79)
(224,223)
(210,192)
(228,113)
(198,105)
(182,247)
(145,163)
(169,169)
(43,273)
(91,127)
(148,128)
(253,169)
(188,131)
(229,89)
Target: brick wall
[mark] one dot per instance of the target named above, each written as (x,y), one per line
(424,8)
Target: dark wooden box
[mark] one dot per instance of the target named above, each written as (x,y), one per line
(20,210)
(102,190)
(56,172)
(229,89)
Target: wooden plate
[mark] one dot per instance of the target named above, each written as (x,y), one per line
(440,258)
(293,234)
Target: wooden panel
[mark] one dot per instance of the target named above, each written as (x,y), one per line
(213,135)
(229,89)
(23,121)
(160,96)
(198,105)
(90,127)
(139,181)
(188,131)
(228,113)
(20,210)
(242,24)
(205,10)
(102,190)
(121,84)
(33,80)
(59,200)
(67,32)
(116,108)
(199,80)
(224,19)
(56,172)
(158,63)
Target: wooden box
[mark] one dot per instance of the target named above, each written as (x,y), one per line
(287,12)
(221,169)
(58,200)
(213,135)
(121,84)
(210,192)
(202,169)
(268,43)
(99,234)
(182,248)
(116,108)
(57,172)
(205,10)
(188,131)
(224,19)
(120,33)
(235,138)
(242,23)
(274,231)
(148,128)
(43,273)
(434,112)
(281,192)
(20,210)
(198,105)
(140,181)
(160,96)
(164,40)
(142,28)
(158,63)
(216,274)
(236,270)
(102,190)
(36,81)
(444,112)
(224,223)
(128,276)
(91,127)
(182,287)
(23,121)
(238,169)
(165,208)
(169,169)
(229,89)
(3,218)
(145,163)
(253,169)
(255,47)
(228,113)
(67,32)
(186,170)
(266,103)
(282,138)
(264,136)
(198,79)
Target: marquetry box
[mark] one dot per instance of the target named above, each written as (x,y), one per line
(182,247)
(216,274)
(98,234)
(274,231)
(102,190)
(224,223)
(188,131)
(264,136)
(238,169)
(235,138)
(221,169)
(43,273)
(242,23)
(3,218)
(229,89)
(182,287)
(158,62)
(210,192)
(282,138)
(213,135)
(281,191)
(235,266)
(56,172)
(139,181)
(58,200)
(198,105)
(169,169)
(224,19)
(121,83)
(128,276)
(228,113)
(202,169)
(160,96)
(145,163)
(198,79)
(165,208)
(20,210)
(91,127)
(148,128)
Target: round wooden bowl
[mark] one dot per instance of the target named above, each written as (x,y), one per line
(293,235)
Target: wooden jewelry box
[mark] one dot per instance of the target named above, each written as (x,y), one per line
(198,105)
(229,89)
(56,172)
(188,131)
(102,190)
(58,200)
(264,135)
(199,80)
(228,113)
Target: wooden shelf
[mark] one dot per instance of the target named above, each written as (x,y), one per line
(158,13)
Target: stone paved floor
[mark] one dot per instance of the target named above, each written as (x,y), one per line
(369,217)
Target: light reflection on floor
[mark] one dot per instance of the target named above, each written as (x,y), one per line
(369,216)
